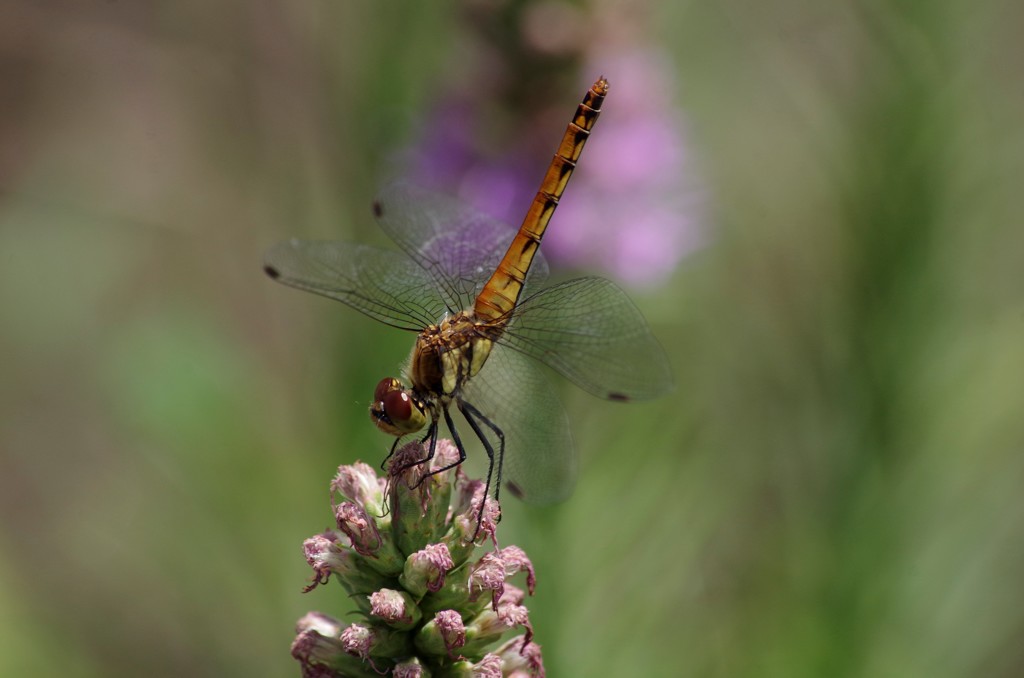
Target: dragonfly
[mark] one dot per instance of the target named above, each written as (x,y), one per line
(471,288)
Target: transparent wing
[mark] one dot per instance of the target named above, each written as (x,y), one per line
(589,331)
(383,284)
(540,460)
(459,246)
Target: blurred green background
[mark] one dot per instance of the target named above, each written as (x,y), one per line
(833,489)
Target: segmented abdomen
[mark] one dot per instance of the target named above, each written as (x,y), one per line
(500,294)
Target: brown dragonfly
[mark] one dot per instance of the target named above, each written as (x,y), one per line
(484,322)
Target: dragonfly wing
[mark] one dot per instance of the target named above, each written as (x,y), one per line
(589,331)
(540,460)
(458,246)
(383,284)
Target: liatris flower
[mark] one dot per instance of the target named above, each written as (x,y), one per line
(403,552)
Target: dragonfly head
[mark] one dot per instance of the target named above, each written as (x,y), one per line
(395,409)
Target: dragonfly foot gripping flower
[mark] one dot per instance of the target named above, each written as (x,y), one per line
(403,551)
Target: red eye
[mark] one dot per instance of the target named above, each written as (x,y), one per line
(384,386)
(397,406)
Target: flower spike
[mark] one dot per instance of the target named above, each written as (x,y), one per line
(402,549)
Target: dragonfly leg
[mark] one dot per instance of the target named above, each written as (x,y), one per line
(473,416)
(432,436)
(458,445)
(394,446)
(462,458)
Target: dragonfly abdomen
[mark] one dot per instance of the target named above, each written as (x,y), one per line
(500,294)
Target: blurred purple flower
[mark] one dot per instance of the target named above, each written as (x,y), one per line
(633,208)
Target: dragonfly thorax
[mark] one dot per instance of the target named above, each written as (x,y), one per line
(449,353)
(445,356)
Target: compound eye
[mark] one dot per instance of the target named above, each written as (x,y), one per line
(395,409)
(385,386)
(398,406)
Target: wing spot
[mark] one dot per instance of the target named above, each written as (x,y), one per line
(378,209)
(516,491)
(272,272)
(618,397)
